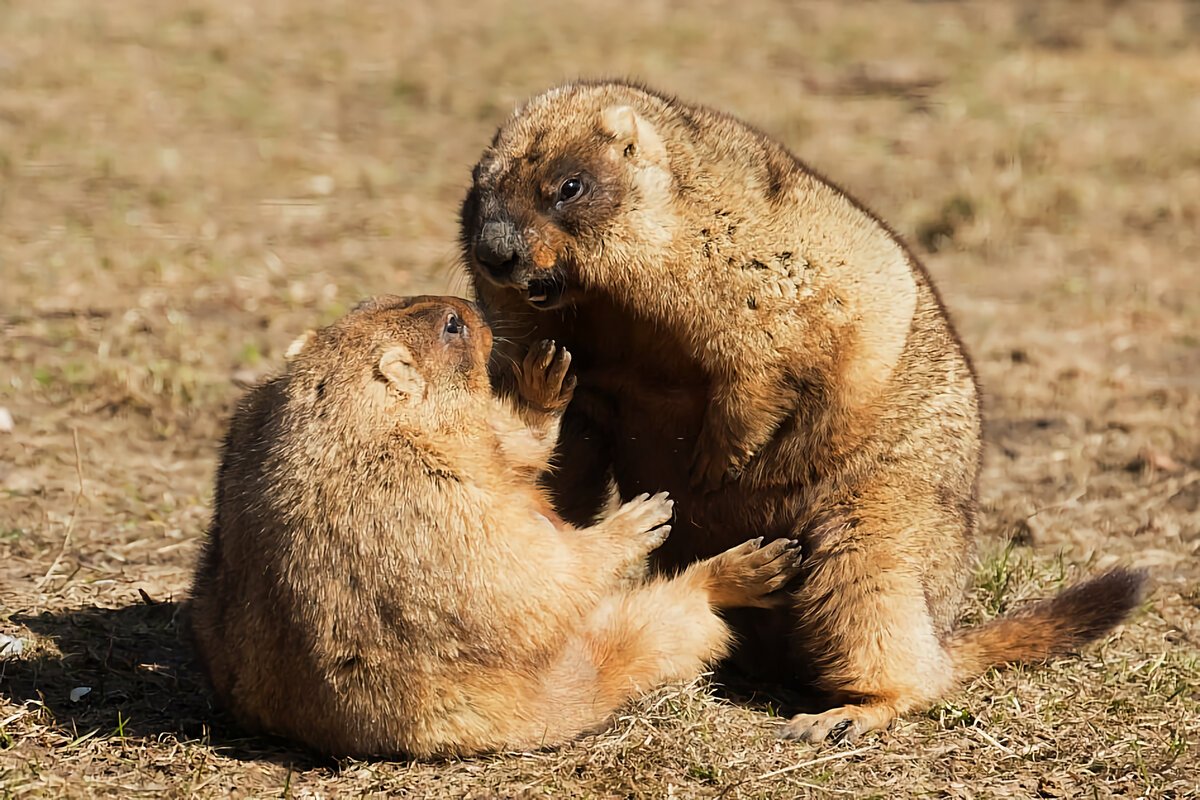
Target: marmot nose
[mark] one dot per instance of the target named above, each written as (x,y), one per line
(496,247)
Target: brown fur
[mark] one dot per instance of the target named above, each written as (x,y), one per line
(383,575)
(752,339)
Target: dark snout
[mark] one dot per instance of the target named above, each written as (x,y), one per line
(498,248)
(504,257)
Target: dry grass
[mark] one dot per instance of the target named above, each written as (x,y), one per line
(185,187)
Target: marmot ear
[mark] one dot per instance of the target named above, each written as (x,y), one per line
(633,135)
(297,347)
(397,366)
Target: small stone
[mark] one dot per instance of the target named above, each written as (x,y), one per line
(6,420)
(80,692)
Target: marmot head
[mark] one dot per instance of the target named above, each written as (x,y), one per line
(576,182)
(392,357)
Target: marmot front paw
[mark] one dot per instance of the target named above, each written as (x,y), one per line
(752,574)
(543,381)
(644,520)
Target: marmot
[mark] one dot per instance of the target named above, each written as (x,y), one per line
(753,340)
(383,575)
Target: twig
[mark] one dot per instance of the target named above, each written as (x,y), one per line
(812,762)
(74,512)
(13,717)
(992,740)
(57,313)
(820,788)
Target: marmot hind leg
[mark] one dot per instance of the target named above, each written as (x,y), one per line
(876,608)
(863,616)
(665,630)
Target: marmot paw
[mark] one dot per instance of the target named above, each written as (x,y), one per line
(543,381)
(645,518)
(754,575)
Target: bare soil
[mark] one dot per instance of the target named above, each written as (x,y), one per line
(185,187)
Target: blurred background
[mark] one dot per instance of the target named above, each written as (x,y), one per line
(187,186)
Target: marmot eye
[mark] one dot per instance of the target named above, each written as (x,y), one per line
(569,190)
(454,325)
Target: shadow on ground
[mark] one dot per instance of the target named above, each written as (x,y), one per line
(145,683)
(143,678)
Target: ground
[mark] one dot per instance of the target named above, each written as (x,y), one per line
(185,187)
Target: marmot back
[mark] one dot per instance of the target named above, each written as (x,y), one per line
(383,574)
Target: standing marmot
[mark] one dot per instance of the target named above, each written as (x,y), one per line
(753,340)
(383,575)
